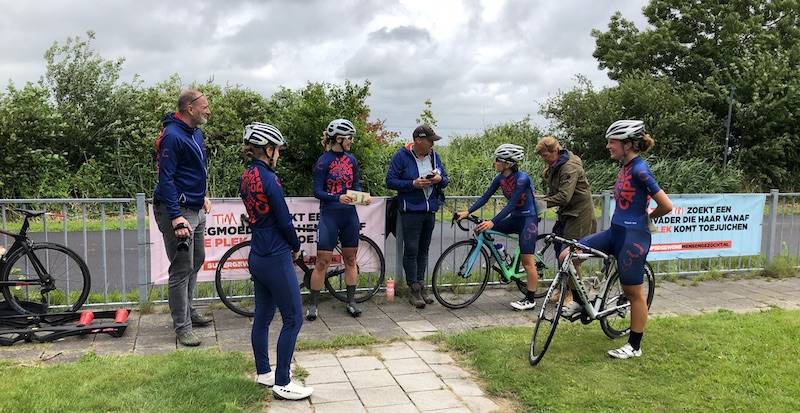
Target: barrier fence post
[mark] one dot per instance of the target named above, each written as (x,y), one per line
(141,213)
(773,220)
(606,207)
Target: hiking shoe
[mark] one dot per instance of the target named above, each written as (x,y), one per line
(268,379)
(199,320)
(414,296)
(523,304)
(625,352)
(292,391)
(311,313)
(187,338)
(352,309)
(570,310)
(423,293)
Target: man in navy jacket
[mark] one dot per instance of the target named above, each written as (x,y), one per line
(180,205)
(419,177)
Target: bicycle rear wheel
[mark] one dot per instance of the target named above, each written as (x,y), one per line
(450,285)
(49,278)
(371,270)
(549,314)
(233,280)
(618,323)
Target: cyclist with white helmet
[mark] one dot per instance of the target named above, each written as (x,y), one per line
(273,248)
(519,216)
(335,172)
(629,238)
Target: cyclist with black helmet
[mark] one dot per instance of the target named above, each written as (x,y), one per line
(629,237)
(519,216)
(272,251)
(335,172)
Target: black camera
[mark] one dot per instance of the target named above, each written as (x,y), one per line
(183,242)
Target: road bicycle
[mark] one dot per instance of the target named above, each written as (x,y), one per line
(462,271)
(611,307)
(42,277)
(235,288)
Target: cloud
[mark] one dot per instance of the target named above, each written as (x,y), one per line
(480,61)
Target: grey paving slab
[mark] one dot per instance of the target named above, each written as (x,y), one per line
(382,396)
(371,378)
(395,351)
(407,366)
(420,382)
(464,387)
(322,375)
(360,363)
(351,352)
(435,357)
(315,359)
(397,408)
(480,404)
(447,371)
(333,392)
(289,406)
(435,400)
(353,406)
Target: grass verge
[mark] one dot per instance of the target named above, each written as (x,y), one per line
(337,342)
(715,362)
(182,381)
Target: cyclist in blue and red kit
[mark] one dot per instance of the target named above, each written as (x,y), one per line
(274,247)
(335,172)
(519,216)
(629,237)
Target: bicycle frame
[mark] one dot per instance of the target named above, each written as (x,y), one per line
(22,242)
(592,309)
(507,271)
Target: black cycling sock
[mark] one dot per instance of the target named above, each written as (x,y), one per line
(635,340)
(351,292)
(314,297)
(530,295)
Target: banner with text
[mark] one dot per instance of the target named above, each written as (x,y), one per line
(726,225)
(224,229)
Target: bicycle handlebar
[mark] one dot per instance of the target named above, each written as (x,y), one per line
(472,218)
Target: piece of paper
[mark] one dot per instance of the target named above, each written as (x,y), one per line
(357,197)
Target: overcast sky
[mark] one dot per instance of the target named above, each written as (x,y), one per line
(481,62)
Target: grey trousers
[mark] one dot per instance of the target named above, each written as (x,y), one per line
(183,265)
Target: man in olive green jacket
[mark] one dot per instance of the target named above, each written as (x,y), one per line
(568,189)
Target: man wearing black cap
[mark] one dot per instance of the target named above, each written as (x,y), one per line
(419,177)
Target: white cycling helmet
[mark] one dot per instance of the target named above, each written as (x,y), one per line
(509,152)
(262,134)
(340,127)
(625,129)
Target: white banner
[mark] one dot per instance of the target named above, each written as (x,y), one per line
(224,229)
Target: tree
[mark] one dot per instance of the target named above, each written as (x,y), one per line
(426,116)
(702,49)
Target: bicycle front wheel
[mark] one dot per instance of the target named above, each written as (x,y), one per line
(47,278)
(233,280)
(454,284)
(618,323)
(371,267)
(549,314)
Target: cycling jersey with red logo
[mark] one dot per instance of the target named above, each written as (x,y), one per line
(334,174)
(635,185)
(268,215)
(518,189)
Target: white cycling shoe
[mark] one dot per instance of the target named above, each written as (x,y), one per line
(625,352)
(292,391)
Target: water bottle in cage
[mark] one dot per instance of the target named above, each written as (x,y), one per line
(501,251)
